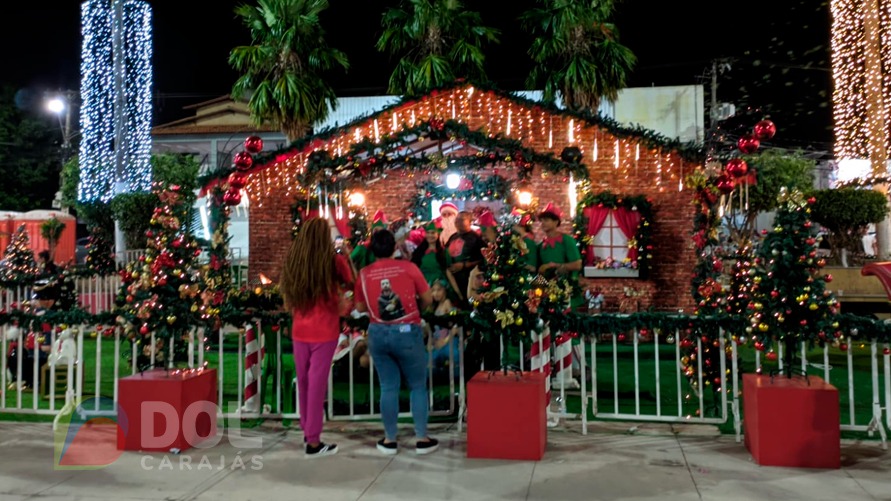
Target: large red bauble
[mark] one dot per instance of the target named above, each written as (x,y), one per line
(144,329)
(765,129)
(254,144)
(748,144)
(237,180)
(737,167)
(243,161)
(232,197)
(725,185)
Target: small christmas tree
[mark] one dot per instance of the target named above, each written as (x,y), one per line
(790,303)
(159,293)
(506,305)
(19,264)
(100,257)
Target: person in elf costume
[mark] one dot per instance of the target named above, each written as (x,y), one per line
(430,257)
(523,227)
(559,256)
(361,255)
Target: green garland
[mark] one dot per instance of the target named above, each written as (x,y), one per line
(648,138)
(217,273)
(494,187)
(644,236)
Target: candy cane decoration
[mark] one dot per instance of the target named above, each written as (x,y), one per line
(563,351)
(540,357)
(253,357)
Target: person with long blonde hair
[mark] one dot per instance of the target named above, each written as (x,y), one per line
(312,279)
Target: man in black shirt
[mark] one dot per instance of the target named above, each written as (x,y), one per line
(465,252)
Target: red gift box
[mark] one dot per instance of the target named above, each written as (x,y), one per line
(789,422)
(507,415)
(160,410)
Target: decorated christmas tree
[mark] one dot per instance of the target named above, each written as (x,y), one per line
(506,303)
(100,255)
(18,262)
(790,303)
(217,273)
(159,293)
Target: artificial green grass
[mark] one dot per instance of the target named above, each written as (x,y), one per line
(608,399)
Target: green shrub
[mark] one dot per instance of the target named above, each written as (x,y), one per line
(846,213)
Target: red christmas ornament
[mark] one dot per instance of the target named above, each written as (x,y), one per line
(243,161)
(771,355)
(843,347)
(253,144)
(232,197)
(886,351)
(725,185)
(812,200)
(748,144)
(828,277)
(237,180)
(764,130)
(737,167)
(144,330)
(759,346)
(621,338)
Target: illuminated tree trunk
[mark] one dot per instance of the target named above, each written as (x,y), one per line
(875,110)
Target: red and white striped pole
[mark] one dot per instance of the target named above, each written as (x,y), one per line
(252,361)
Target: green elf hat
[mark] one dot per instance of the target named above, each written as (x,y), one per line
(432,226)
(379,220)
(486,220)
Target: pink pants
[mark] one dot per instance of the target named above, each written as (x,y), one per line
(312,362)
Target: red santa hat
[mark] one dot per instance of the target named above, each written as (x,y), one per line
(486,220)
(551,211)
(379,220)
(447,206)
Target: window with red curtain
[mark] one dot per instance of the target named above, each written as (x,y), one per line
(610,241)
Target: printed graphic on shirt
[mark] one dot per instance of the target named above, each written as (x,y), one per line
(456,247)
(390,293)
(388,304)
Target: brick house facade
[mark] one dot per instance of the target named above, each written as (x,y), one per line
(621,160)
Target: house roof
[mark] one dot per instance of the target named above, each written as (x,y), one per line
(465,103)
(221,115)
(185,129)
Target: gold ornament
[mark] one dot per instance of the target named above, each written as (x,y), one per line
(519,321)
(763,327)
(171,319)
(813,306)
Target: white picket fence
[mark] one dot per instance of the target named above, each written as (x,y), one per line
(659,394)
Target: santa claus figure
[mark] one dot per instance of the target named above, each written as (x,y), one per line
(446,220)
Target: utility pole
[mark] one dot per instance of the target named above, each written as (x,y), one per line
(875,115)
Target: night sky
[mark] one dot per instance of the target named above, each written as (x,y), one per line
(779,57)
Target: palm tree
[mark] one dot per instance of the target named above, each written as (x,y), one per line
(577,52)
(283,70)
(438,40)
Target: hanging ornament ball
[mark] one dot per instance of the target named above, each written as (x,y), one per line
(243,161)
(765,129)
(669,339)
(237,181)
(254,144)
(748,144)
(232,197)
(737,167)
(771,355)
(725,185)
(144,329)
(886,351)
(827,277)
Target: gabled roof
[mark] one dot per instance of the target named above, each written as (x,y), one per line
(462,102)
(221,115)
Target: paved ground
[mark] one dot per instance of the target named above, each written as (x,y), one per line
(655,462)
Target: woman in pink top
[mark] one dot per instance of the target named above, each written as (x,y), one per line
(312,278)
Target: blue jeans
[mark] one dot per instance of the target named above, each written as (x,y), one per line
(398,350)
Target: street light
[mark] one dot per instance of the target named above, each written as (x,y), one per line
(59,105)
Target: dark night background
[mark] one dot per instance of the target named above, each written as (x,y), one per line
(778,52)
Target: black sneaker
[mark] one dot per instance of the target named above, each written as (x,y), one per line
(322,449)
(428,446)
(389,449)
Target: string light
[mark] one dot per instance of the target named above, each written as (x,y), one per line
(855,80)
(524,121)
(97,155)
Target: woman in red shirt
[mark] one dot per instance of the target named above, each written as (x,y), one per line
(312,278)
